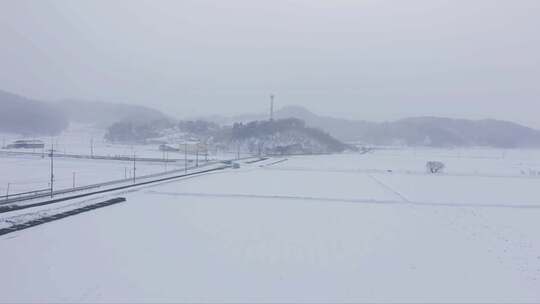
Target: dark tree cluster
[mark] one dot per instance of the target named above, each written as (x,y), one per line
(266,128)
(199,127)
(129,132)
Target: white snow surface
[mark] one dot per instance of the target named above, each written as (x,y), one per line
(29,173)
(334,228)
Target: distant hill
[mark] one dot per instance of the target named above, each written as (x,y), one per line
(280,136)
(416,131)
(436,131)
(104,114)
(30,117)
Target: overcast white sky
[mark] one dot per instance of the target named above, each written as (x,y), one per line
(358,59)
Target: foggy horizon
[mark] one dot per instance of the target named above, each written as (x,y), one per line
(149,152)
(366,60)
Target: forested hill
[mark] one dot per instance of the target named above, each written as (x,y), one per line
(282,136)
(27,116)
(418,131)
(30,117)
(104,114)
(447,132)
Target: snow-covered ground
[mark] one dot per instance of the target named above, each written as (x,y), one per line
(30,173)
(334,228)
(84,139)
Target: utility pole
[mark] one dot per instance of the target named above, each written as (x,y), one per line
(92,147)
(197,155)
(7,191)
(185,157)
(134,167)
(165,159)
(272,107)
(125,172)
(52,169)
(73,179)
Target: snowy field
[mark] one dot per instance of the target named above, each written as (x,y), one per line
(85,140)
(335,228)
(30,173)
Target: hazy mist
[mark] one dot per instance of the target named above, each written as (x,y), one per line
(358,59)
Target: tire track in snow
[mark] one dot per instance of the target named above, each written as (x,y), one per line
(388,188)
(345,200)
(403,172)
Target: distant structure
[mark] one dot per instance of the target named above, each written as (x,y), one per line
(272,107)
(26,144)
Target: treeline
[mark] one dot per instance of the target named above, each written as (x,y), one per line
(130,132)
(284,134)
(140,132)
(261,128)
(198,127)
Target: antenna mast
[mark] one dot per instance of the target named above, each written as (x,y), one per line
(272,107)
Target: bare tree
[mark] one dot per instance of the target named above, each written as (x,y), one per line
(434,167)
